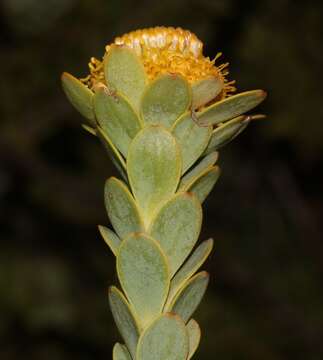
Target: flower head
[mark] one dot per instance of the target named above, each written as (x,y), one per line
(167,50)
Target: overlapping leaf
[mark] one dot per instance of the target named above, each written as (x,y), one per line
(165,339)
(124,319)
(176,227)
(144,275)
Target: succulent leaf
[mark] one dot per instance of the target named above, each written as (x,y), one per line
(192,138)
(166,338)
(79,95)
(165,100)
(192,264)
(176,227)
(194,335)
(205,90)
(199,170)
(143,273)
(120,352)
(124,319)
(189,296)
(225,133)
(113,153)
(203,186)
(121,208)
(125,73)
(110,238)
(154,167)
(230,107)
(116,117)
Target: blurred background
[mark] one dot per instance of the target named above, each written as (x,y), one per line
(265,300)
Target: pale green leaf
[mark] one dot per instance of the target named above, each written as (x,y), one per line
(203,186)
(110,238)
(176,227)
(125,73)
(225,133)
(143,272)
(194,335)
(189,296)
(124,319)
(165,339)
(116,118)
(120,352)
(193,263)
(199,170)
(154,167)
(113,153)
(193,139)
(121,208)
(230,107)
(205,90)
(80,96)
(165,99)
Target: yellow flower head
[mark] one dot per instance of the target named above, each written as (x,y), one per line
(167,50)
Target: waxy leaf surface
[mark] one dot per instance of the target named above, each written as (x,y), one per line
(225,133)
(124,319)
(203,91)
(192,264)
(144,275)
(165,339)
(199,170)
(230,107)
(203,186)
(125,73)
(176,227)
(120,352)
(194,335)
(110,238)
(193,139)
(154,167)
(165,99)
(190,295)
(79,95)
(116,117)
(121,208)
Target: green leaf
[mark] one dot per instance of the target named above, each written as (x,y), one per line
(203,186)
(165,99)
(199,170)
(120,352)
(165,339)
(176,227)
(194,262)
(194,335)
(116,118)
(144,275)
(124,319)
(189,296)
(113,153)
(223,134)
(110,238)
(80,96)
(205,90)
(154,167)
(125,73)
(230,107)
(193,139)
(121,208)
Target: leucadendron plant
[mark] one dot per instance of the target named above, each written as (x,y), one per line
(162,110)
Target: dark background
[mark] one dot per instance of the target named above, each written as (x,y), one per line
(265,298)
